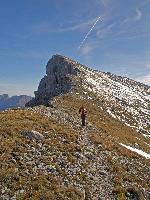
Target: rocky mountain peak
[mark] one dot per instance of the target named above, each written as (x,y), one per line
(57,80)
(61,64)
(125,99)
(49,155)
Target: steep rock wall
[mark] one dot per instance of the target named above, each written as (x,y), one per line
(56,81)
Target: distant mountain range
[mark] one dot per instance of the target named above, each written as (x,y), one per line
(13,101)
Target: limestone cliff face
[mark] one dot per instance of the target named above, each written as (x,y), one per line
(56,81)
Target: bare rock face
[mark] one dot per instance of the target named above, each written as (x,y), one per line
(56,81)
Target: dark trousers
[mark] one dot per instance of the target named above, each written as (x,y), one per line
(83,120)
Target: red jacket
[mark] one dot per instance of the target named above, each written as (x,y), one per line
(82,111)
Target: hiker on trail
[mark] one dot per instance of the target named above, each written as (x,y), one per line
(83,113)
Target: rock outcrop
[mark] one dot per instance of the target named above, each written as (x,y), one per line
(56,81)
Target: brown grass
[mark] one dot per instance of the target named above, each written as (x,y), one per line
(109,133)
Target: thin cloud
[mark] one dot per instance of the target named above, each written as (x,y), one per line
(105,3)
(25,54)
(148,65)
(134,18)
(122,35)
(101,33)
(47,28)
(32,55)
(79,26)
(104,31)
(87,48)
(89,32)
(17,89)
(144,79)
(138,14)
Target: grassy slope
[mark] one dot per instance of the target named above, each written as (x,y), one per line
(13,172)
(130,169)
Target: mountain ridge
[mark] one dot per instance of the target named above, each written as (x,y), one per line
(47,154)
(64,75)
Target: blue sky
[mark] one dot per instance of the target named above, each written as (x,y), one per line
(33,30)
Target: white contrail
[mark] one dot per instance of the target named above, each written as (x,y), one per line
(89,32)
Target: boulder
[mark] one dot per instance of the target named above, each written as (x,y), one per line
(33,135)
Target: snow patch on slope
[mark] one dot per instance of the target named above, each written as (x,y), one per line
(140,152)
(134,101)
